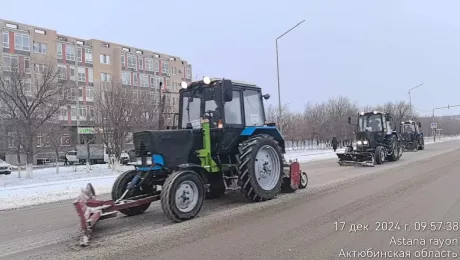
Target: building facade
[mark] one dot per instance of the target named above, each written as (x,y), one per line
(85,64)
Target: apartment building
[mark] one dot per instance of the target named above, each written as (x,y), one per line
(87,63)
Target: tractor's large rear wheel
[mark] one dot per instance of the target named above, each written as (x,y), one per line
(260,168)
(118,189)
(395,153)
(422,144)
(182,195)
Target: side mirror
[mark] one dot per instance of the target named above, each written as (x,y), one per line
(227,88)
(349,120)
(266,96)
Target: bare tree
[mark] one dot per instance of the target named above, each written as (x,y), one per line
(116,112)
(30,99)
(55,136)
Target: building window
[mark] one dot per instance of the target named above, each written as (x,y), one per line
(157,81)
(72,73)
(188,73)
(89,92)
(149,64)
(144,80)
(123,62)
(105,77)
(40,68)
(22,42)
(26,64)
(90,75)
(62,72)
(105,59)
(126,78)
(173,70)
(69,52)
(165,66)
(79,55)
(6,39)
(83,111)
(39,140)
(65,140)
(157,65)
(81,74)
(132,62)
(89,56)
(40,47)
(141,63)
(167,83)
(59,50)
(152,81)
(11,62)
(135,79)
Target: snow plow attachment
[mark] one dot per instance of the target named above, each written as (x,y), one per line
(356,159)
(90,210)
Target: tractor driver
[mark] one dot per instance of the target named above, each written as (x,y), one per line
(408,129)
(375,125)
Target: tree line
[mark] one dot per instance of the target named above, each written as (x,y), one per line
(319,122)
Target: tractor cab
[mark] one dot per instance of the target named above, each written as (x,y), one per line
(409,127)
(227,104)
(371,128)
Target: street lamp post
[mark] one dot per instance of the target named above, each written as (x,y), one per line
(278,74)
(410,99)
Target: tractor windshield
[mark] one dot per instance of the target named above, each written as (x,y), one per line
(370,123)
(409,128)
(191,109)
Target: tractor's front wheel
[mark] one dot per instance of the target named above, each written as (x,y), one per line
(182,195)
(379,155)
(303,180)
(260,168)
(422,144)
(118,189)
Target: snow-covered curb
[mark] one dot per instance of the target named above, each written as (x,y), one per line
(49,187)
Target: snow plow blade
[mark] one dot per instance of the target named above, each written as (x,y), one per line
(90,210)
(356,159)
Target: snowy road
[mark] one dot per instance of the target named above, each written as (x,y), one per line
(50,231)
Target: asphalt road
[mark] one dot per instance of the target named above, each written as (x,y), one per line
(417,198)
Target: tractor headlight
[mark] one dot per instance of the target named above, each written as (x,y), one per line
(148,161)
(206,80)
(365,142)
(139,160)
(359,142)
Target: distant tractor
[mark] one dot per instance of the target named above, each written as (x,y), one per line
(376,141)
(412,136)
(222,142)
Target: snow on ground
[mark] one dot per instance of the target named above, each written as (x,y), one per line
(46,186)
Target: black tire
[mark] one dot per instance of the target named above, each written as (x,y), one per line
(216,186)
(395,153)
(168,195)
(422,145)
(246,168)
(119,188)
(379,155)
(303,181)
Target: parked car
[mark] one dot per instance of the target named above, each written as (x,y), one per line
(5,168)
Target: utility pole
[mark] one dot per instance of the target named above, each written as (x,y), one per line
(410,99)
(78,91)
(278,75)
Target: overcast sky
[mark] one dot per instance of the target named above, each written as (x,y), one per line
(370,51)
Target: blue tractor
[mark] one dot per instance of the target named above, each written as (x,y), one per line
(221,142)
